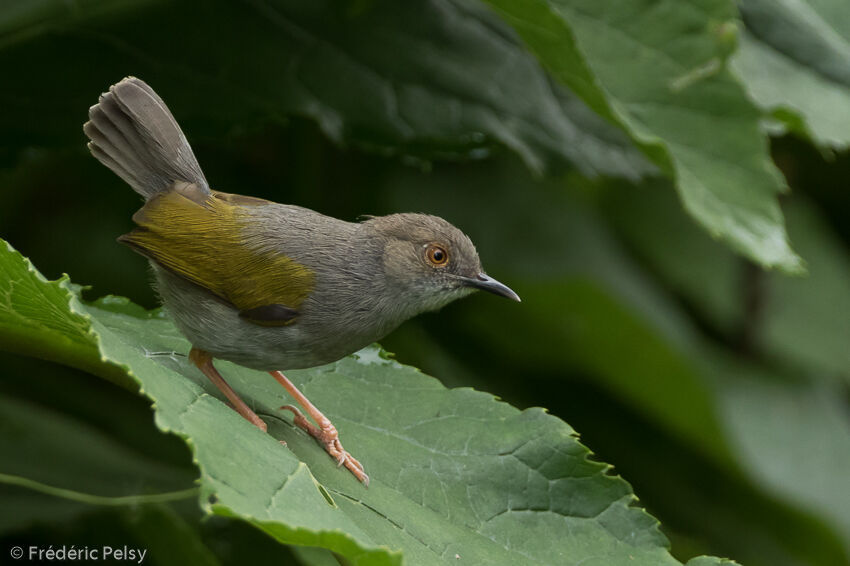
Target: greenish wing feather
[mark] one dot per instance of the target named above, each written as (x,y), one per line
(200,238)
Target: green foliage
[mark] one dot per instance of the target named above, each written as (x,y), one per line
(612,324)
(455,474)
(665,79)
(793,62)
(380,53)
(611,161)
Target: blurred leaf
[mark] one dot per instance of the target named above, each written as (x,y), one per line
(432,79)
(165,537)
(312,556)
(168,539)
(662,67)
(24,507)
(53,450)
(705,507)
(791,432)
(20,20)
(59,470)
(235,542)
(482,480)
(68,430)
(55,468)
(687,260)
(793,437)
(806,321)
(793,61)
(801,321)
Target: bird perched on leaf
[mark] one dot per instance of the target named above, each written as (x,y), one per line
(271,286)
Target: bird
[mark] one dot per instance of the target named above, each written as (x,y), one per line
(271,286)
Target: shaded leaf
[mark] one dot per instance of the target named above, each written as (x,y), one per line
(806,322)
(430,79)
(312,556)
(801,321)
(793,60)
(794,438)
(168,539)
(74,443)
(662,68)
(51,449)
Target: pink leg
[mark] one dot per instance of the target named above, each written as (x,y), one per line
(325,433)
(203,360)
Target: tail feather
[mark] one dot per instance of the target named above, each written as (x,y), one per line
(134,134)
(108,140)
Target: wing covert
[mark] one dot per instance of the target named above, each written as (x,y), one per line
(199,237)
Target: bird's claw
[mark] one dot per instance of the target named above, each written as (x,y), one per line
(327,435)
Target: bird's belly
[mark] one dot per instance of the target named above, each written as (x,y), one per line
(280,348)
(213,326)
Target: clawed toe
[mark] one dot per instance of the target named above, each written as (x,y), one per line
(327,435)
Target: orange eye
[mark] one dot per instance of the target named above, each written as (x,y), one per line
(437,255)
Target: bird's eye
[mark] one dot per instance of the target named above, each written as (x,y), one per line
(437,255)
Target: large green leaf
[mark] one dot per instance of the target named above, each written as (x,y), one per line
(661,70)
(432,78)
(793,60)
(456,475)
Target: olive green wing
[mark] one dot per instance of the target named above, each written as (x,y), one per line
(200,238)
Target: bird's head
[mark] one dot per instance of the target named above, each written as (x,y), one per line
(430,262)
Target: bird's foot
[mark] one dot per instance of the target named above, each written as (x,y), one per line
(327,435)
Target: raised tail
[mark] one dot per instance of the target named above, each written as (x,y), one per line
(133,133)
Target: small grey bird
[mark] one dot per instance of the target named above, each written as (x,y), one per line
(271,286)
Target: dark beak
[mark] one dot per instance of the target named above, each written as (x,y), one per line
(486,283)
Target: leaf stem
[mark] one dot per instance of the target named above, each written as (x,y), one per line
(92,499)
